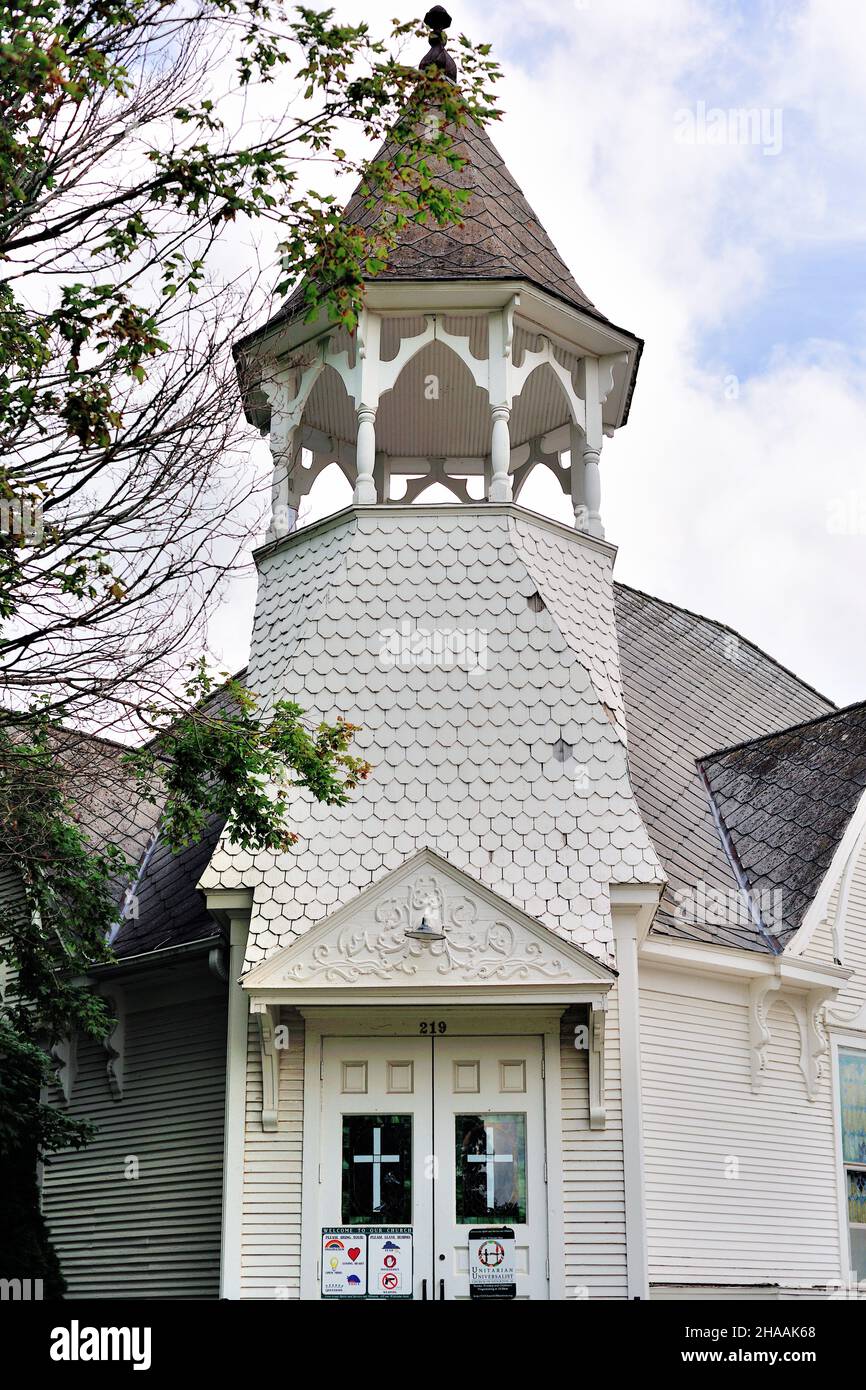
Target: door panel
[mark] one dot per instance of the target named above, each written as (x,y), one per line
(489,1140)
(377,1138)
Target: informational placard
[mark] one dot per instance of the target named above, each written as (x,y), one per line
(344,1262)
(389,1262)
(491,1262)
(367,1262)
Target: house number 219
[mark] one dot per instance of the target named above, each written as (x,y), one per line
(434,1026)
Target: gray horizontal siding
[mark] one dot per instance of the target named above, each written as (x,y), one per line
(157,1235)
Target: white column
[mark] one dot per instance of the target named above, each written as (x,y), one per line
(592,489)
(595,380)
(284,499)
(500,455)
(499,396)
(365,456)
(625,931)
(578,491)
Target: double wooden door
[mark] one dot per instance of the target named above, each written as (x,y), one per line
(443,1134)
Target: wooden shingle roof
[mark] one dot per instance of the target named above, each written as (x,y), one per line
(501,237)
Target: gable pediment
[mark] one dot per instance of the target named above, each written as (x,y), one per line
(486,946)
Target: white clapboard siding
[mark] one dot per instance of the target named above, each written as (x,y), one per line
(271,1229)
(13,907)
(592,1165)
(777,1222)
(820,945)
(156,1235)
(853,997)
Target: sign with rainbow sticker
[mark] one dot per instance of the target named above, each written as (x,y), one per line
(344,1262)
(367,1262)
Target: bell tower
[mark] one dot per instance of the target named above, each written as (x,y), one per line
(477,359)
(473,641)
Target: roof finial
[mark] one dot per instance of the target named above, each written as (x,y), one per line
(437,21)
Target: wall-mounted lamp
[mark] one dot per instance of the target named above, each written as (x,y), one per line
(424,932)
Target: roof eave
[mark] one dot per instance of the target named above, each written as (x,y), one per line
(569,324)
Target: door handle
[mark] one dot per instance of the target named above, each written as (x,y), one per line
(424,1290)
(441,1290)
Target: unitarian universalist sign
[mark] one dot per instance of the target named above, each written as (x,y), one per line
(367,1262)
(491,1262)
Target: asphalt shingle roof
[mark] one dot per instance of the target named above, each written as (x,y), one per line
(785,801)
(692,686)
(165,908)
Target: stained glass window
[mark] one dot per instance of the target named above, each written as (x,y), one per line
(377,1170)
(852,1071)
(852,1078)
(857,1197)
(491,1169)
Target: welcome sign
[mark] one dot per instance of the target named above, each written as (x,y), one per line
(366,1262)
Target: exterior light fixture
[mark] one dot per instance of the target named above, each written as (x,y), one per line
(424,932)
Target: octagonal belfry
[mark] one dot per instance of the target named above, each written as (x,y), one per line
(476,359)
(473,642)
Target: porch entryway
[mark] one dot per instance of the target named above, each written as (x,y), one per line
(443,1133)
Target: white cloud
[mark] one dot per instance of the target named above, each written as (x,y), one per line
(719,504)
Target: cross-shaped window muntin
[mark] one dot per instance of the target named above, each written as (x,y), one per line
(490,1157)
(377,1158)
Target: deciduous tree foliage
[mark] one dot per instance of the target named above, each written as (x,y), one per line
(132,168)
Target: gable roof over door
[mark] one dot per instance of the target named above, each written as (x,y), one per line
(486,947)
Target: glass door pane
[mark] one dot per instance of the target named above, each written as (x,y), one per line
(377,1170)
(490,1169)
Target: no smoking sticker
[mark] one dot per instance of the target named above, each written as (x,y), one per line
(390,1257)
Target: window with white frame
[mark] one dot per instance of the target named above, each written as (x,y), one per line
(852,1079)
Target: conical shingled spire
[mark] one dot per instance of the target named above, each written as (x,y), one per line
(501,237)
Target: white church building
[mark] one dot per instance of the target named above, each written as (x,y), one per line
(578,976)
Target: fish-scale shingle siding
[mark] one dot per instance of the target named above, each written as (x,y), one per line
(510,764)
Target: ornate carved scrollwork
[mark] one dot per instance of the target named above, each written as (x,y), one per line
(476,951)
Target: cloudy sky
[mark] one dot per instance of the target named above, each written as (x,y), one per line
(737,250)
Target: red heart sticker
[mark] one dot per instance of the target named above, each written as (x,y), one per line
(354,1252)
